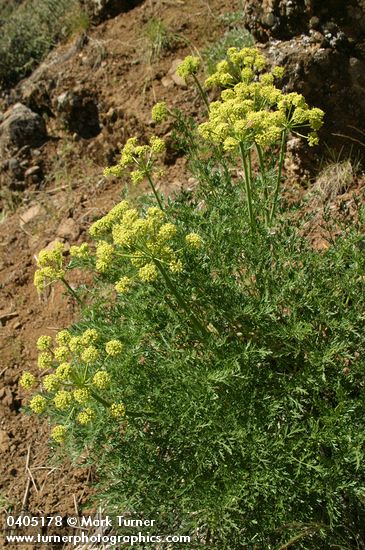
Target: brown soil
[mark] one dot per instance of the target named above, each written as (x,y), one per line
(114,65)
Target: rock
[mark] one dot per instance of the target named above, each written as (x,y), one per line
(167,82)
(36,94)
(21,127)
(112,115)
(68,230)
(287,18)
(32,171)
(30,215)
(78,110)
(100,10)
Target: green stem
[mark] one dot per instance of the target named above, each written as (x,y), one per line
(150,181)
(263,175)
(247,187)
(278,181)
(100,399)
(198,325)
(71,291)
(201,91)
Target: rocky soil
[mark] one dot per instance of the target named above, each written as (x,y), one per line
(60,127)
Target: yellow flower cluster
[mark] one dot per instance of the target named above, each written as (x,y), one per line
(81,251)
(188,67)
(50,264)
(59,433)
(159,112)
(117,410)
(62,400)
(113,348)
(45,360)
(251,108)
(51,382)
(74,380)
(82,395)
(63,371)
(90,355)
(44,343)
(194,240)
(123,285)
(86,416)
(38,404)
(101,379)
(104,256)
(63,337)
(27,380)
(143,157)
(61,353)
(239,66)
(144,240)
(104,224)
(90,336)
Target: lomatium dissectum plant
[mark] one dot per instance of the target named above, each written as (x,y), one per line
(215,369)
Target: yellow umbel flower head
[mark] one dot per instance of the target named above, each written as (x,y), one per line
(51,382)
(63,337)
(148,273)
(176,266)
(90,355)
(104,256)
(101,379)
(63,371)
(75,344)
(44,343)
(59,433)
(193,240)
(90,336)
(113,348)
(157,145)
(50,264)
(45,360)
(81,251)
(27,381)
(166,232)
(188,67)
(117,410)
(86,416)
(38,404)
(61,353)
(137,176)
(123,285)
(62,400)
(159,112)
(82,395)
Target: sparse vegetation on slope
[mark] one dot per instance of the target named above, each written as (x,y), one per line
(29,31)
